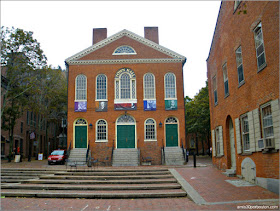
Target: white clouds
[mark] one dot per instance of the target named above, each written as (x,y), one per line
(65,27)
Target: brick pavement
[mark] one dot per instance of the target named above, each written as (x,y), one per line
(208,181)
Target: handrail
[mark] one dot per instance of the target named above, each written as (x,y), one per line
(87,154)
(112,152)
(184,154)
(162,156)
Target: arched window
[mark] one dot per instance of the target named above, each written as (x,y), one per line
(150,130)
(124,50)
(101,130)
(81,88)
(101,87)
(170,86)
(149,86)
(125,85)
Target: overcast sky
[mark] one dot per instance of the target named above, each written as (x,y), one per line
(64,28)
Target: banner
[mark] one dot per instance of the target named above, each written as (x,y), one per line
(170,105)
(150,105)
(125,106)
(32,135)
(102,106)
(81,106)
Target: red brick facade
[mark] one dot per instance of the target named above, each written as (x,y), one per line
(149,58)
(244,106)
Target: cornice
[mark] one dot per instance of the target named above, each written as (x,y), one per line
(118,35)
(125,61)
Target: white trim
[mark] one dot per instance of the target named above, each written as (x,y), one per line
(76,87)
(155,124)
(154,80)
(96,88)
(178,129)
(74,125)
(132,78)
(118,36)
(124,53)
(96,131)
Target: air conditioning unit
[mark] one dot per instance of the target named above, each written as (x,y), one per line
(260,143)
(269,143)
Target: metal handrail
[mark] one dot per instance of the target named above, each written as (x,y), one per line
(87,157)
(184,154)
(162,155)
(112,152)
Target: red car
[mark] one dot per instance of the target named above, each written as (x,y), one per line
(57,156)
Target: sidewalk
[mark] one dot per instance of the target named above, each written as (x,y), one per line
(210,191)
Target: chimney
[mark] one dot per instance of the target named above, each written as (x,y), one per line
(151,33)
(98,34)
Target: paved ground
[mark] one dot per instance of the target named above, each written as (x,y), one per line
(209,189)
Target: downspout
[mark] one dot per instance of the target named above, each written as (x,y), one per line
(183,63)
(67,75)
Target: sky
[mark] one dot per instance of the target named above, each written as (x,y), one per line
(64,28)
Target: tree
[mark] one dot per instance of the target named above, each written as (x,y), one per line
(21,55)
(198,116)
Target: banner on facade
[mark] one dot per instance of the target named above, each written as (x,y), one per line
(32,135)
(101,106)
(150,105)
(170,105)
(125,106)
(81,106)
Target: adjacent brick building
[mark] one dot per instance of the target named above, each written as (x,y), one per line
(243,75)
(126,91)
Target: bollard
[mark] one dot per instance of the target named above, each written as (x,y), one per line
(194,160)
(187,156)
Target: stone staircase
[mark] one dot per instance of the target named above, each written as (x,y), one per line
(98,183)
(125,157)
(174,156)
(78,155)
(230,172)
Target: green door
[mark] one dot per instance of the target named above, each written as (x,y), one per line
(126,136)
(81,137)
(171,134)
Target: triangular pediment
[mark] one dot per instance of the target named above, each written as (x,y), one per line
(103,51)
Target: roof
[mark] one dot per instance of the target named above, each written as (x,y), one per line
(173,57)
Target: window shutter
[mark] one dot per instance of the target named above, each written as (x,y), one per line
(238,140)
(257,128)
(221,140)
(251,132)
(276,118)
(213,143)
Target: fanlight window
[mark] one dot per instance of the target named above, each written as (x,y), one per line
(124,50)
(125,119)
(80,122)
(171,120)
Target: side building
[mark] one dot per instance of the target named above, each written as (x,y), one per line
(243,76)
(125,92)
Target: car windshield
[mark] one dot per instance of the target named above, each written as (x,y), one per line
(57,152)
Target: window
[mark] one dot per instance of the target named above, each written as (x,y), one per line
(101,87)
(150,129)
(81,88)
(259,47)
(170,86)
(218,150)
(215,90)
(245,133)
(31,118)
(267,122)
(225,74)
(27,117)
(101,130)
(124,50)
(149,86)
(21,127)
(238,54)
(125,85)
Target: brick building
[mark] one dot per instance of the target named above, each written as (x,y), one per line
(126,92)
(243,76)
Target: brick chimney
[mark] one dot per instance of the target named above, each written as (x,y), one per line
(151,33)
(98,34)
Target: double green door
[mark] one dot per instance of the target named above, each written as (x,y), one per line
(81,137)
(171,134)
(126,136)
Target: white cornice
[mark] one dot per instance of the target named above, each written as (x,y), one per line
(116,36)
(125,61)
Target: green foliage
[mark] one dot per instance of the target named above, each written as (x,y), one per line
(198,113)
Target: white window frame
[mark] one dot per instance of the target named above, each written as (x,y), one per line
(217,141)
(245,132)
(155,130)
(265,118)
(84,88)
(225,76)
(97,132)
(124,53)
(149,87)
(239,64)
(257,33)
(166,83)
(97,98)
(133,90)
(215,90)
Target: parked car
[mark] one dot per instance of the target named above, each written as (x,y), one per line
(57,156)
